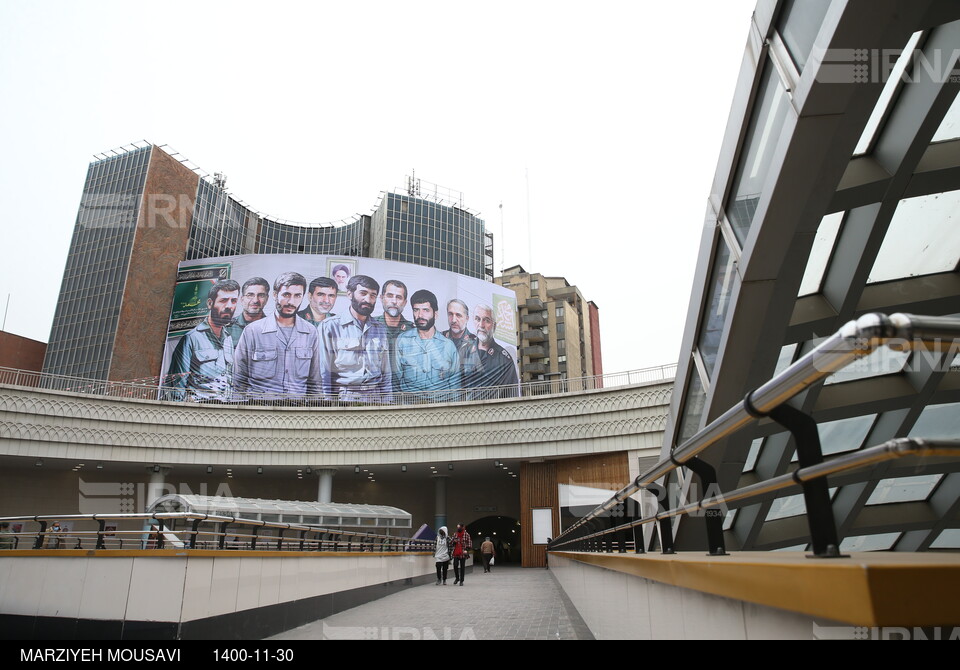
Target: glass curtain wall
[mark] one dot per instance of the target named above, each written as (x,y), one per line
(81,339)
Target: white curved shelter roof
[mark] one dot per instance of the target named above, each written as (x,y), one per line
(287,511)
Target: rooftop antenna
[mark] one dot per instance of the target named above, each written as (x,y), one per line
(529,227)
(502,250)
(413,184)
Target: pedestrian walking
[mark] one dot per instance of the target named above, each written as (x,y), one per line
(487,553)
(461,549)
(441,555)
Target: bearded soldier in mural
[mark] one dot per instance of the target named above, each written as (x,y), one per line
(202,363)
(496,366)
(277,356)
(394,300)
(354,348)
(426,360)
(458,316)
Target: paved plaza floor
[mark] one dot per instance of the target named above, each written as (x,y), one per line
(509,603)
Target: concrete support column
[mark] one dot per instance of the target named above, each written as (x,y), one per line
(440,501)
(325,487)
(155,487)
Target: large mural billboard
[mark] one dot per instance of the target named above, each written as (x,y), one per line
(335,328)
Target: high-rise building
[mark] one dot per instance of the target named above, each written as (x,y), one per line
(559,328)
(143,211)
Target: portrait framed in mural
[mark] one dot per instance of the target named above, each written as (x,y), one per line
(340,270)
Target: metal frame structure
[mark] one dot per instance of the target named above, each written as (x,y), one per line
(856,340)
(747,318)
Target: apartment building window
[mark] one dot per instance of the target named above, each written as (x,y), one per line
(559,312)
(534,284)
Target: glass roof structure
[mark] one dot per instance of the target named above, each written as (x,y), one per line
(328,515)
(837,194)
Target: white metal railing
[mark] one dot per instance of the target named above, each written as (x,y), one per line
(191,530)
(151,390)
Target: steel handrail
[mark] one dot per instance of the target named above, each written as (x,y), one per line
(854,340)
(890,450)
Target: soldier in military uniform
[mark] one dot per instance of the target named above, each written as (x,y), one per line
(458,315)
(427,361)
(278,356)
(354,357)
(497,367)
(202,363)
(394,300)
(253,298)
(321,297)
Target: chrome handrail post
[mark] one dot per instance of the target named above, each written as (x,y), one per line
(196,532)
(101,527)
(663,521)
(713,517)
(223,535)
(816,492)
(38,544)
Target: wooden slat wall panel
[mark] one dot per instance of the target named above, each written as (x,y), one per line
(538,488)
(604,471)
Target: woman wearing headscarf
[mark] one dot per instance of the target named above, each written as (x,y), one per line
(442,555)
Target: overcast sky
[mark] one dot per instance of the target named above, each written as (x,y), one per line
(596,126)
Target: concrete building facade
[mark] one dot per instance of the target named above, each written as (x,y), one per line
(559,328)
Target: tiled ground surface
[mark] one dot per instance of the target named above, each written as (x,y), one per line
(509,603)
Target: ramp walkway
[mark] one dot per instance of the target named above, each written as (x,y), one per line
(509,603)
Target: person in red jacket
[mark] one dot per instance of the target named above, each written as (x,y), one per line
(462,546)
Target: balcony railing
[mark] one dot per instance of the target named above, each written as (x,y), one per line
(601,529)
(534,335)
(188,530)
(151,391)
